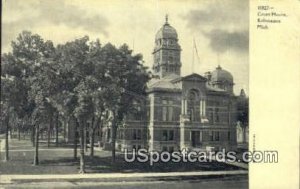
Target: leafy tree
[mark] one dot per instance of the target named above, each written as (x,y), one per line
(34,54)
(85,84)
(6,101)
(82,112)
(96,82)
(127,79)
(71,98)
(13,93)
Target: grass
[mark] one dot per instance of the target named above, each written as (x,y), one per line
(59,160)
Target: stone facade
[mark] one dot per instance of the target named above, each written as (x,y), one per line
(192,112)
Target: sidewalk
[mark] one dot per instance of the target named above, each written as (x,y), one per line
(8,179)
(238,164)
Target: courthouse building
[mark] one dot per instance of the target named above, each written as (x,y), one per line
(192,112)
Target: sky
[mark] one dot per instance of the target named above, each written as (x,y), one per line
(219,28)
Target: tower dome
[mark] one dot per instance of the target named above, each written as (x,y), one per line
(166,32)
(221,75)
(222,79)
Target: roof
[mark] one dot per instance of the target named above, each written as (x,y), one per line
(192,77)
(221,75)
(166,31)
(166,83)
(170,83)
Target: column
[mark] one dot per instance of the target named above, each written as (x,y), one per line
(185,107)
(204,108)
(151,124)
(182,106)
(201,108)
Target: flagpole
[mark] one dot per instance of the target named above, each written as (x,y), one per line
(198,58)
(193,55)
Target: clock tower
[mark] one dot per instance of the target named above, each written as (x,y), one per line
(166,52)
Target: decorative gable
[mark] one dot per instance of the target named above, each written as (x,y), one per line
(193,77)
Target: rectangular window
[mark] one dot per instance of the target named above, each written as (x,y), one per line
(228,135)
(168,135)
(171,135)
(211,135)
(214,135)
(137,134)
(200,137)
(164,113)
(202,107)
(134,135)
(167,110)
(165,135)
(211,116)
(170,111)
(217,136)
(217,114)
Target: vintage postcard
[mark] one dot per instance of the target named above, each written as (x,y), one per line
(150,94)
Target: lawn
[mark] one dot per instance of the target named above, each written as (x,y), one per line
(59,160)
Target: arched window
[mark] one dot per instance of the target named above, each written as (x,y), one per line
(192,104)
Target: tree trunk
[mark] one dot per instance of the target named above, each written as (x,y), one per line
(82,139)
(19,132)
(6,140)
(64,122)
(85,137)
(56,130)
(10,132)
(113,141)
(75,137)
(24,134)
(33,136)
(94,126)
(92,140)
(24,130)
(36,153)
(100,138)
(49,130)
